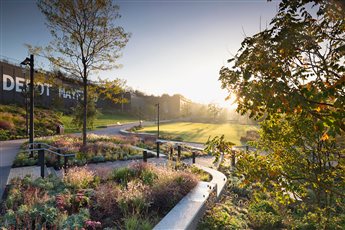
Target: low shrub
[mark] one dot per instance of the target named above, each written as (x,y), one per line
(223,216)
(96,159)
(135,223)
(104,204)
(6,125)
(79,177)
(170,187)
(5,134)
(242,206)
(122,175)
(201,174)
(135,199)
(263,214)
(24,159)
(78,220)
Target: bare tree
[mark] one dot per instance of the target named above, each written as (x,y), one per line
(85,38)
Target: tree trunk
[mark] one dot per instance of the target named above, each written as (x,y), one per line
(85,109)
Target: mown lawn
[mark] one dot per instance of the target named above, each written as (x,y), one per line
(101,121)
(199,132)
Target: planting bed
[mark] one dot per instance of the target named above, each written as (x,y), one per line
(136,197)
(99,149)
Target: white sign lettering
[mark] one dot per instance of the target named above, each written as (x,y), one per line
(19,84)
(5,80)
(10,84)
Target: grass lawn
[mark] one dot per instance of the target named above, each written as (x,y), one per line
(199,132)
(101,121)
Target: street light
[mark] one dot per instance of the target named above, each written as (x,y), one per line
(30,62)
(157,120)
(25,95)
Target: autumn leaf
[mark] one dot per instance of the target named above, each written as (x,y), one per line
(324,137)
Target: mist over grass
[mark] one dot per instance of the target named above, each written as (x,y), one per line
(199,132)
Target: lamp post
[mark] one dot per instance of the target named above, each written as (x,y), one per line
(157,120)
(30,62)
(25,95)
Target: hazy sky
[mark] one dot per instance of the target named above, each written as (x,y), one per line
(176,46)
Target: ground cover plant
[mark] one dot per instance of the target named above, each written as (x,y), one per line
(201,174)
(13,122)
(200,132)
(136,197)
(242,206)
(98,149)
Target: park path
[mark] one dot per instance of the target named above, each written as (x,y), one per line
(8,151)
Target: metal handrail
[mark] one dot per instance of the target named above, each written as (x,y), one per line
(56,153)
(42,143)
(41,151)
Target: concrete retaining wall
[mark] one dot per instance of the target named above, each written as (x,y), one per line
(187,213)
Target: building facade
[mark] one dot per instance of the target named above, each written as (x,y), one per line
(51,90)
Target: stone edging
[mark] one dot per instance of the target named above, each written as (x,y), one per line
(186,214)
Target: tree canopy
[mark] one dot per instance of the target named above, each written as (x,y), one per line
(85,38)
(292,76)
(296,66)
(85,34)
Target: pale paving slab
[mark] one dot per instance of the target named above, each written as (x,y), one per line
(33,171)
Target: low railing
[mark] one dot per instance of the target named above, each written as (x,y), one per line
(42,148)
(195,150)
(180,147)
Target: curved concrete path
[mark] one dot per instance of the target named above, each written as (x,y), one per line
(8,151)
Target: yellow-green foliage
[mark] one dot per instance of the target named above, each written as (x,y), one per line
(199,132)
